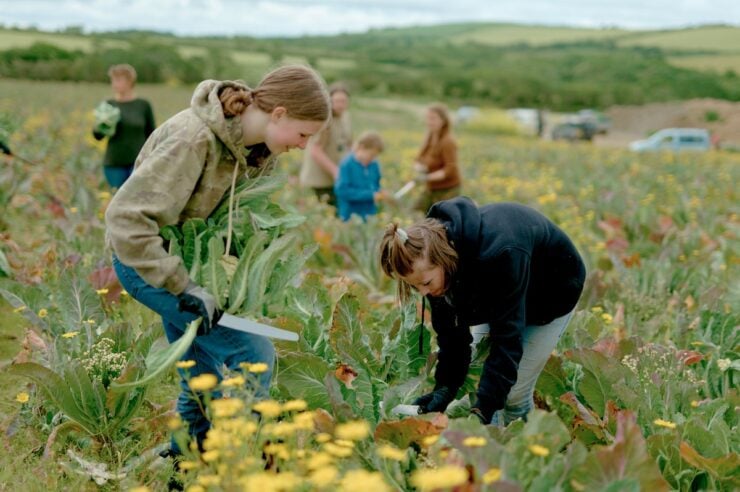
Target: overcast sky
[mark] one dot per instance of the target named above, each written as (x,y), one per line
(298,17)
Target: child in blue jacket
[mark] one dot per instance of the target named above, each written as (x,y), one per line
(358,185)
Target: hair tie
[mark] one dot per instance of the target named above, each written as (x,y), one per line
(402,235)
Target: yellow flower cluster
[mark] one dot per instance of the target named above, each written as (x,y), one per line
(443,477)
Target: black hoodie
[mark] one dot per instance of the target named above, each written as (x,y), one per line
(516,268)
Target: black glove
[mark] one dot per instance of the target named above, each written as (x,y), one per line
(436,401)
(195,299)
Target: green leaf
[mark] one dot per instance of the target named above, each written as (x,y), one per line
(286,271)
(240,281)
(622,463)
(301,376)
(600,374)
(261,270)
(4,266)
(215,278)
(552,380)
(191,229)
(57,390)
(724,469)
(346,335)
(159,360)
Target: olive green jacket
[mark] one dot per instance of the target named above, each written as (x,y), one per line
(183,171)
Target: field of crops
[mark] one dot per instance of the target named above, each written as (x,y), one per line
(640,395)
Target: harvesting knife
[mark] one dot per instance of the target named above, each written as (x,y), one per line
(404,189)
(406,410)
(250,326)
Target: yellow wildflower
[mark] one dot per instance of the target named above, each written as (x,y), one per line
(19,309)
(322,437)
(355,480)
(596,310)
(226,407)
(174,423)
(104,195)
(664,423)
(188,465)
(607,318)
(337,451)
(695,404)
(70,334)
(538,450)
(319,460)
(204,382)
(22,397)
(354,431)
(256,368)
(294,406)
(279,450)
(185,364)
(303,421)
(235,381)
(492,475)
(344,443)
(429,440)
(43,313)
(324,476)
(391,453)
(209,456)
(268,408)
(101,292)
(474,442)
(444,477)
(209,480)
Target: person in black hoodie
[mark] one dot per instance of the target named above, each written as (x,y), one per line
(502,264)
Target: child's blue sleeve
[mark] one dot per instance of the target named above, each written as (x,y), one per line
(350,187)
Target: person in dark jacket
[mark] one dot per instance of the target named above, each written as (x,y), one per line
(133,126)
(504,265)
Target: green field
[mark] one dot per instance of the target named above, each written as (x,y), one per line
(645,376)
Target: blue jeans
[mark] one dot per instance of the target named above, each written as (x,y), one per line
(538,342)
(222,346)
(116,176)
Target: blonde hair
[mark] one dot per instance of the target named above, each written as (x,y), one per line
(400,248)
(371,140)
(299,89)
(123,70)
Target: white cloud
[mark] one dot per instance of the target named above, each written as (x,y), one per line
(297,17)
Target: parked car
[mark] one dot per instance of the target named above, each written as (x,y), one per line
(574,130)
(675,139)
(601,122)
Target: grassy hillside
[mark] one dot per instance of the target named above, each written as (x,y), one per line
(510,65)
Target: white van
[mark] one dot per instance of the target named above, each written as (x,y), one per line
(674,139)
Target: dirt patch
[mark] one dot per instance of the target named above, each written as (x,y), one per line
(721,118)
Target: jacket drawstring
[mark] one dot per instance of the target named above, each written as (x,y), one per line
(421,331)
(231,208)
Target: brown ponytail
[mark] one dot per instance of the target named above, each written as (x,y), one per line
(234,100)
(400,248)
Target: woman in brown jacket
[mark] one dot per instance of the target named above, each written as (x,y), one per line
(436,164)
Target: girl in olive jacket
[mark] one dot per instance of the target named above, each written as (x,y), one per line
(184,170)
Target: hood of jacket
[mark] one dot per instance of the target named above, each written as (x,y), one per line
(207,106)
(462,220)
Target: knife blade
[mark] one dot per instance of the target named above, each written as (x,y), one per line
(251,326)
(404,189)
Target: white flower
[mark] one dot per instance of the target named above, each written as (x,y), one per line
(724,364)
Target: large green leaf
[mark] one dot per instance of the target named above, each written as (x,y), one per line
(215,278)
(191,229)
(286,271)
(346,335)
(261,270)
(301,375)
(4,266)
(58,391)
(725,468)
(552,381)
(240,281)
(159,359)
(621,464)
(249,191)
(600,375)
